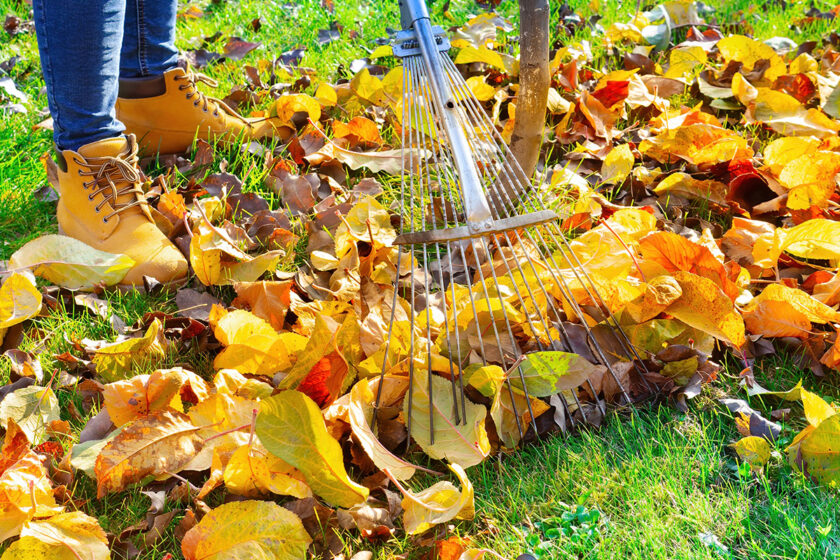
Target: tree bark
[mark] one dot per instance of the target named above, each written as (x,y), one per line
(534,81)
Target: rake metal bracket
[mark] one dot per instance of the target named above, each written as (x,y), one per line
(405,42)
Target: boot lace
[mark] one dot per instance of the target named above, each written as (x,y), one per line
(113,178)
(192,79)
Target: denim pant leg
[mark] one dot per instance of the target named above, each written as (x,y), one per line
(148,47)
(79,42)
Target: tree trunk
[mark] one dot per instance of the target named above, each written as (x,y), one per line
(534,81)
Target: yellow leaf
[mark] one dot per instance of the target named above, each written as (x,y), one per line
(782,151)
(32,409)
(815,311)
(382,51)
(743,91)
(816,409)
(817,239)
(136,397)
(684,60)
(660,292)
(438,504)
(465,443)
(776,318)
(811,178)
(470,54)
(325,94)
(247,529)
(696,143)
(162,442)
(754,450)
(817,451)
(220,419)
(360,413)
(511,412)
(252,471)
(290,426)
(210,252)
(287,105)
(683,184)
(618,164)
(117,361)
(366,221)
(66,536)
(19,300)
(251,344)
(486,379)
(480,88)
(25,490)
(748,52)
(704,306)
(69,263)
(786,115)
(367,87)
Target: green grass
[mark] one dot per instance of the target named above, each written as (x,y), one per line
(658,480)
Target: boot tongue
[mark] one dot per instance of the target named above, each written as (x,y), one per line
(109,147)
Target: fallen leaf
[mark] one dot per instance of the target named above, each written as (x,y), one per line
(32,409)
(69,263)
(19,300)
(247,529)
(118,360)
(754,450)
(67,536)
(465,443)
(704,306)
(545,373)
(618,164)
(438,504)
(25,490)
(291,427)
(161,443)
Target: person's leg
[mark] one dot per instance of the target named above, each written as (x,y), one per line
(79,43)
(148,46)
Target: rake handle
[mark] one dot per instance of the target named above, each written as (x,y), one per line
(414,15)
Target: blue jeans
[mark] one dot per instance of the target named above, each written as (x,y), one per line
(86,46)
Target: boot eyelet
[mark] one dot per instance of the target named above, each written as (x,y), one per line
(97,210)
(104,220)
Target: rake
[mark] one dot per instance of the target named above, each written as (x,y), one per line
(476,243)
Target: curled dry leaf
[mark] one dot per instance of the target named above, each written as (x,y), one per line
(438,504)
(291,427)
(248,529)
(360,411)
(71,264)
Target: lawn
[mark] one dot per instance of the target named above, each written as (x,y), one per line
(650,483)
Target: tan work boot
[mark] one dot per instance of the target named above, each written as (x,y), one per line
(166,113)
(101,204)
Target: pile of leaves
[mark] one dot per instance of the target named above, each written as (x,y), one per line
(707,227)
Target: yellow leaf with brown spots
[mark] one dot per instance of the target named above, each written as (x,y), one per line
(704,306)
(161,443)
(811,178)
(697,143)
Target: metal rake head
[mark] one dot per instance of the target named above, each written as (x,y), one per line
(491,276)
